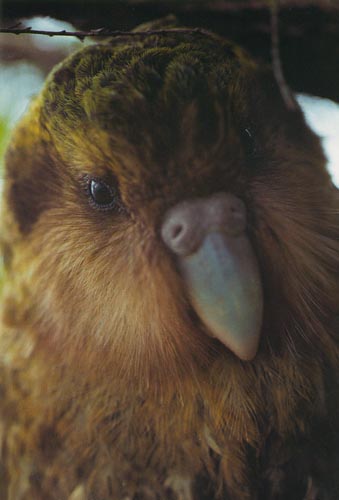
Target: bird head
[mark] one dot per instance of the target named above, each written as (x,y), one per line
(163,209)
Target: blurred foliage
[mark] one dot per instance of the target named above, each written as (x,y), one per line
(4,135)
(19,82)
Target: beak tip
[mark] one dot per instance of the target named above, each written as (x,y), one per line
(245,349)
(248,354)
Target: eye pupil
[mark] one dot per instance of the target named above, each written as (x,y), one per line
(102,194)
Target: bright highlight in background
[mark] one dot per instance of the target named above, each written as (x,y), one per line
(322,115)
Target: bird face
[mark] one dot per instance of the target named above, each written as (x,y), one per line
(161,201)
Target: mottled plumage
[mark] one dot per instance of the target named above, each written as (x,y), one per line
(111,386)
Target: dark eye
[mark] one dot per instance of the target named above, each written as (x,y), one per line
(249,142)
(103,195)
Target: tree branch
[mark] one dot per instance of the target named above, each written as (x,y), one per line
(103,32)
(276,59)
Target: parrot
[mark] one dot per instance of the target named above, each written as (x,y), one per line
(170,298)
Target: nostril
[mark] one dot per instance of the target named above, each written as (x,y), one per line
(176,231)
(180,230)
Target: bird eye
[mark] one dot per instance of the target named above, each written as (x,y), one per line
(249,142)
(102,194)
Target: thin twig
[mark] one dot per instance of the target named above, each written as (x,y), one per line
(276,59)
(14,30)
